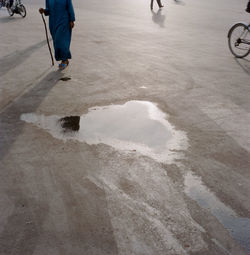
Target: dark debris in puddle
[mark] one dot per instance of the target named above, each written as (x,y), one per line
(70,123)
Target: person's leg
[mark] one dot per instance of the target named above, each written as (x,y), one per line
(248,7)
(65,62)
(62,41)
(159,3)
(151,5)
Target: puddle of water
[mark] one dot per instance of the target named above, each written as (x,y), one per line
(135,126)
(239,228)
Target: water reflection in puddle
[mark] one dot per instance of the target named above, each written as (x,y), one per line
(239,228)
(135,126)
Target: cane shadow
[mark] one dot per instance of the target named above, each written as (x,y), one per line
(10,123)
(244,64)
(16,58)
(158,18)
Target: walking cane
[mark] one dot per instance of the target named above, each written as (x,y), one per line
(46,31)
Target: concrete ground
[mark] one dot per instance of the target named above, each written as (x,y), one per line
(73,197)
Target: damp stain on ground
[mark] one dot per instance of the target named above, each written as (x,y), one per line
(138,126)
(65,79)
(239,228)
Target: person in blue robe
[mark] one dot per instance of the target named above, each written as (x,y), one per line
(61,22)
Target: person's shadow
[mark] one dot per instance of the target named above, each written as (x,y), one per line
(158,17)
(10,123)
(9,62)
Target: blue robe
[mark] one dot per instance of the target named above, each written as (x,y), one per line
(60,13)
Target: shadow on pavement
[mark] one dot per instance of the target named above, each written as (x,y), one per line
(158,17)
(24,229)
(20,235)
(7,19)
(179,2)
(17,58)
(244,64)
(10,123)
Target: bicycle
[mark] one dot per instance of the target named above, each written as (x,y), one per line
(2,3)
(17,7)
(239,39)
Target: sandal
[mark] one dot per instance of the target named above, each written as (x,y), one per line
(62,66)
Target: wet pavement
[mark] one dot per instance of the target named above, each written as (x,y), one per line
(238,227)
(141,146)
(135,126)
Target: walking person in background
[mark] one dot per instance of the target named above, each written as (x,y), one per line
(248,7)
(158,2)
(61,22)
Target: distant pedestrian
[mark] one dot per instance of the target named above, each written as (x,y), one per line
(248,7)
(61,22)
(158,2)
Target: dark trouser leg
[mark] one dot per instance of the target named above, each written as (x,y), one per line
(159,3)
(248,7)
(151,5)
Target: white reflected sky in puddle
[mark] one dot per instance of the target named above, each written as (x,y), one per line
(135,125)
(239,228)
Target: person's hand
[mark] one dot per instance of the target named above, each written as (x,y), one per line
(72,24)
(41,10)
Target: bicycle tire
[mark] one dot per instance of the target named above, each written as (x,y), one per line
(234,41)
(22,10)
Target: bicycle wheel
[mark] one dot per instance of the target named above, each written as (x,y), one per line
(22,10)
(238,40)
